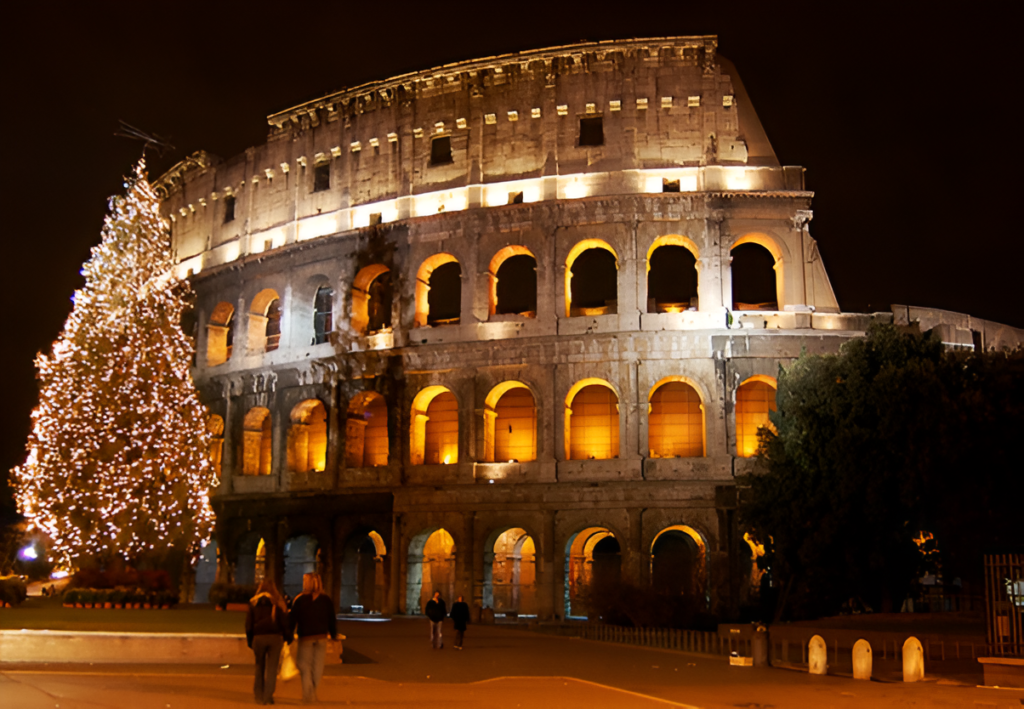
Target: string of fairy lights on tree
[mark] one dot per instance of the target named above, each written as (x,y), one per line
(117,462)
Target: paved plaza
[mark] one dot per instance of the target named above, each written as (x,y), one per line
(390,664)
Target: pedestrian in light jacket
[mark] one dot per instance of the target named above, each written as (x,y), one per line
(266,631)
(436,611)
(313,619)
(460,617)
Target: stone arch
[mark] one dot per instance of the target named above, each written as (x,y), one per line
(593,432)
(301,556)
(434,427)
(510,572)
(372,297)
(215,427)
(251,564)
(425,282)
(499,297)
(510,423)
(220,334)
(366,431)
(679,555)
(578,250)
(751,280)
(673,277)
(430,567)
(307,437)
(206,571)
(323,312)
(257,441)
(676,419)
(591,563)
(265,321)
(362,583)
(755,399)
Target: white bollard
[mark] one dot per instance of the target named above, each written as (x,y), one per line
(862,659)
(913,660)
(817,656)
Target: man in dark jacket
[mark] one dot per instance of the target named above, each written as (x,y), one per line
(436,611)
(460,616)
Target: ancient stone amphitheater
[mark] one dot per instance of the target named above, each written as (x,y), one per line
(504,328)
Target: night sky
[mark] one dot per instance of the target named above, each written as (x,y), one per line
(902,116)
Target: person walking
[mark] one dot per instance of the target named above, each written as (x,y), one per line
(436,611)
(313,618)
(266,631)
(460,617)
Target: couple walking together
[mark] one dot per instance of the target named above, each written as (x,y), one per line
(437,610)
(269,625)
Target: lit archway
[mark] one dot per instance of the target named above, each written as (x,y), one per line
(372,299)
(434,430)
(678,562)
(672,275)
(675,423)
(206,571)
(251,564)
(756,273)
(438,291)
(362,573)
(215,426)
(366,431)
(510,573)
(591,421)
(257,441)
(755,399)
(591,285)
(220,334)
(307,437)
(593,562)
(265,321)
(431,567)
(510,424)
(513,282)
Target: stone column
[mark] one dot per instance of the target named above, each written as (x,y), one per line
(397,554)
(550,572)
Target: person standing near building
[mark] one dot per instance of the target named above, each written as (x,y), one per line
(460,617)
(313,617)
(266,631)
(436,611)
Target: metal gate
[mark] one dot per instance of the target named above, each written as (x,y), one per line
(1004,604)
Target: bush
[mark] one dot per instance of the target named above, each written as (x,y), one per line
(72,596)
(12,590)
(642,607)
(224,593)
(151,580)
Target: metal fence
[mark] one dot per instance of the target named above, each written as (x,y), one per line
(1004,604)
(697,641)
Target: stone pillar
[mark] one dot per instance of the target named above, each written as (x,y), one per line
(395,579)
(465,556)
(476,600)
(632,549)
(549,565)
(714,285)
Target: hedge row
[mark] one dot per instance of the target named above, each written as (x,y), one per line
(119,598)
(223,593)
(12,590)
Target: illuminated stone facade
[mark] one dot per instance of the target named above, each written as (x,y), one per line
(389,410)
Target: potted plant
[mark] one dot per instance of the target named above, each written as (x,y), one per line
(117,596)
(87,596)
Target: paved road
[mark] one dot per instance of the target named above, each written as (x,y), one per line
(391,665)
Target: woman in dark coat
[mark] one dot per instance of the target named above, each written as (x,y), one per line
(266,631)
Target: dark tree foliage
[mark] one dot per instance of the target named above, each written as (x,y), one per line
(892,436)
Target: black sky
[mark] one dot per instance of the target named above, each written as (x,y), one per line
(901,113)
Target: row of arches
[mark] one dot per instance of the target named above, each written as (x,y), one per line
(591,288)
(676,426)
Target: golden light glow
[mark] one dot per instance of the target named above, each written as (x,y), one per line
(574,253)
(307,437)
(675,426)
(434,434)
(423,285)
(510,424)
(592,421)
(755,398)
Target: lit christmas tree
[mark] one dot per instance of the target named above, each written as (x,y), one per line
(117,462)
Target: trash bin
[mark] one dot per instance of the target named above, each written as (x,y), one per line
(759,646)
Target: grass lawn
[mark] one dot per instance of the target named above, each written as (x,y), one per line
(49,614)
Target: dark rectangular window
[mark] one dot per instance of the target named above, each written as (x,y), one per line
(322,312)
(441,150)
(515,197)
(322,177)
(670,185)
(591,131)
(376,218)
(229,209)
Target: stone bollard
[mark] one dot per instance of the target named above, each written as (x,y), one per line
(913,660)
(862,659)
(817,656)
(759,647)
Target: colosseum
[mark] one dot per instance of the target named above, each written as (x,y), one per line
(504,328)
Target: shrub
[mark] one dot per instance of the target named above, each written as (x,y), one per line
(635,606)
(224,593)
(12,590)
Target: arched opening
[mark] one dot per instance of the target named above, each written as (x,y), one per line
(591,421)
(754,283)
(672,275)
(206,571)
(265,321)
(215,425)
(362,574)
(591,279)
(510,574)
(755,399)
(675,423)
(434,434)
(366,431)
(301,556)
(678,566)
(593,562)
(307,437)
(372,300)
(257,441)
(251,566)
(323,314)
(510,424)
(438,291)
(513,274)
(220,334)
(431,567)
